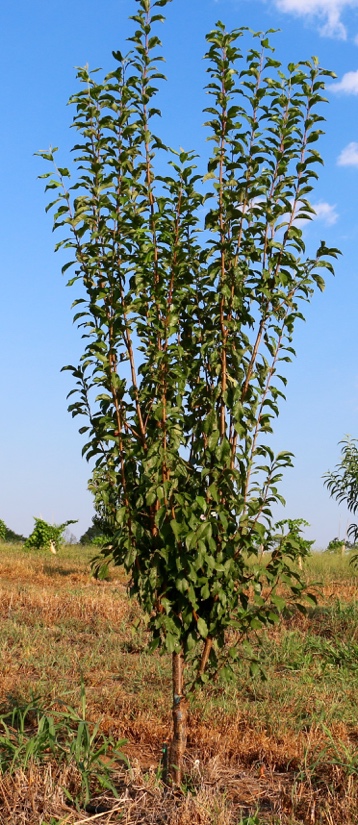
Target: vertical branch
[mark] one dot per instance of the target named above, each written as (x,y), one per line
(178,744)
(149,177)
(127,338)
(205,656)
(147,140)
(276,182)
(222,250)
(261,406)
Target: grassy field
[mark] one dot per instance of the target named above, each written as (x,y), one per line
(76,680)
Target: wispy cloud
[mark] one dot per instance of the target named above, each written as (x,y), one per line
(326,212)
(327,11)
(348,85)
(323,211)
(349,155)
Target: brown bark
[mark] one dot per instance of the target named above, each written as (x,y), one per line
(178,743)
(205,657)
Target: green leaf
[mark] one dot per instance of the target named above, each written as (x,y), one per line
(176,528)
(256,623)
(278,602)
(202,628)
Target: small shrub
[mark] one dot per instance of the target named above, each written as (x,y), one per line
(336,546)
(294,540)
(47,536)
(98,533)
(101,541)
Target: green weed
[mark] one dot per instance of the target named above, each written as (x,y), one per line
(29,734)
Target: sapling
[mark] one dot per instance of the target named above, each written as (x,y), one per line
(187,325)
(291,533)
(47,536)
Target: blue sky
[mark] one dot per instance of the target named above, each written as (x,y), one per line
(42,472)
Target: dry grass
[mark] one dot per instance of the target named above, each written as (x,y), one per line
(278,751)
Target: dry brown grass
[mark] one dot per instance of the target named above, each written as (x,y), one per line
(221,796)
(253,746)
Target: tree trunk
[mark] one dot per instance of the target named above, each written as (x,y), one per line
(178,743)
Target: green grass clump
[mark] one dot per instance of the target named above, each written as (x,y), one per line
(30,734)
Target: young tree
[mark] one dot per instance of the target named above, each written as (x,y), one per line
(186,327)
(47,536)
(294,536)
(336,545)
(342,482)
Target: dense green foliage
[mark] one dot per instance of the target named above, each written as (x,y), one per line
(187,327)
(46,535)
(337,545)
(92,532)
(8,535)
(292,532)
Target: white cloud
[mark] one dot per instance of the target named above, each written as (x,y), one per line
(329,11)
(326,212)
(349,155)
(323,211)
(348,85)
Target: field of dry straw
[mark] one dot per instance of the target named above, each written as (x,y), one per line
(76,680)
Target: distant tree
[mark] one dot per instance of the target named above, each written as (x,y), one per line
(69,537)
(185,333)
(342,482)
(336,545)
(105,500)
(94,532)
(7,535)
(3,530)
(49,536)
(16,538)
(291,535)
